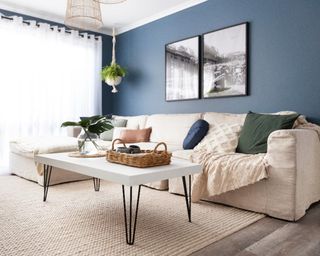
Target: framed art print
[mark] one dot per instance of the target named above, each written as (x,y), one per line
(183,69)
(225,62)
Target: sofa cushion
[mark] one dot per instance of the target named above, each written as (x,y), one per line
(258,127)
(134,122)
(196,133)
(221,138)
(152,145)
(183,154)
(171,128)
(117,131)
(25,167)
(108,135)
(214,118)
(105,144)
(135,135)
(31,146)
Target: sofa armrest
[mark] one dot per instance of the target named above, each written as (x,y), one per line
(294,170)
(73,131)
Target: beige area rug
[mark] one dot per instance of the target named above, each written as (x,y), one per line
(75,220)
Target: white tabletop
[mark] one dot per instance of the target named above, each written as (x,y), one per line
(126,175)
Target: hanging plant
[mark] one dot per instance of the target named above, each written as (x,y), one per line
(113,74)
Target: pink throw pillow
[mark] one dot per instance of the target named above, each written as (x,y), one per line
(135,136)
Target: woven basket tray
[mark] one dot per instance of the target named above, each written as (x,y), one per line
(147,158)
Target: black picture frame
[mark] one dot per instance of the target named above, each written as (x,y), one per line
(224,64)
(175,61)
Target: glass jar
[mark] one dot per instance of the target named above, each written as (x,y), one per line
(88,142)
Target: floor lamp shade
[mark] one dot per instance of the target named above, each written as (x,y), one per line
(83,14)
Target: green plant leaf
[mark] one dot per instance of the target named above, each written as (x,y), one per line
(112,72)
(94,124)
(99,128)
(97,119)
(68,123)
(85,123)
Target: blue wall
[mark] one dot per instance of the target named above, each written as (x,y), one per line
(284,70)
(106,49)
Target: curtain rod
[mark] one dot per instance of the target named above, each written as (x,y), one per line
(29,23)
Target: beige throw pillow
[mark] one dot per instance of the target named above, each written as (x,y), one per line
(222,138)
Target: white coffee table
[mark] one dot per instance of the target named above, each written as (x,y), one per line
(99,168)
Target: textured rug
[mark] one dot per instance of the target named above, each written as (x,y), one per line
(75,220)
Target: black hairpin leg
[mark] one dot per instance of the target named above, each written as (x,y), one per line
(130,230)
(46,180)
(96,184)
(187,195)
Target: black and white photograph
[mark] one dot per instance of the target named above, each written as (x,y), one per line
(183,70)
(225,62)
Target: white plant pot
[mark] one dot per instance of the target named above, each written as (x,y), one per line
(113,82)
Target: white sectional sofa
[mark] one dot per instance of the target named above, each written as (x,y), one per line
(294,166)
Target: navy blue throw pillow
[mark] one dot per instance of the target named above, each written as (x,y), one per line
(196,133)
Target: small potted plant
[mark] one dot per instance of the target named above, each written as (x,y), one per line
(113,75)
(92,127)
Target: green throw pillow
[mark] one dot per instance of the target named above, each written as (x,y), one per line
(257,128)
(116,123)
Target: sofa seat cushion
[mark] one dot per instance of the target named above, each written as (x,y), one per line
(152,145)
(105,144)
(183,154)
(144,146)
(31,146)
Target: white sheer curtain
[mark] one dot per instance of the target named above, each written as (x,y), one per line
(46,77)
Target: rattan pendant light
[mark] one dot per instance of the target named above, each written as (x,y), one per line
(83,14)
(110,1)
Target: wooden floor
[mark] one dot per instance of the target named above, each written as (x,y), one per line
(271,236)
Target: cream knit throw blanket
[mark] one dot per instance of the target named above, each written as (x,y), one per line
(223,172)
(226,172)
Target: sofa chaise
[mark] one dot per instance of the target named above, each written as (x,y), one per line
(293,173)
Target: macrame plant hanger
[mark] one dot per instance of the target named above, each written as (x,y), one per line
(117,81)
(113,47)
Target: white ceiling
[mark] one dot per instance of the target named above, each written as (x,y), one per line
(124,16)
